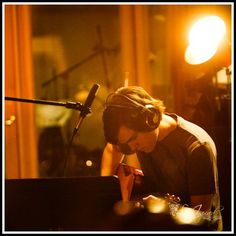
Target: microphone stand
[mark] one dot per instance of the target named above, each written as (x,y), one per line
(84,109)
(71,68)
(99,49)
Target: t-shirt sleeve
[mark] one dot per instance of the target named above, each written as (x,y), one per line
(201,171)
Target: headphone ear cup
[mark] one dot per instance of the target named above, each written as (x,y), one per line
(152,117)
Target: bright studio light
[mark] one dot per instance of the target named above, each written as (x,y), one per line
(197,54)
(204,39)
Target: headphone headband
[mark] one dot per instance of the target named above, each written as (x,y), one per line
(144,117)
(133,102)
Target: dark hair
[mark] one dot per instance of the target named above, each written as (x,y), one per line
(119,109)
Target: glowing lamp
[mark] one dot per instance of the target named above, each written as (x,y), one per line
(204,38)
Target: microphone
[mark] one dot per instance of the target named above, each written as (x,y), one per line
(83,112)
(86,107)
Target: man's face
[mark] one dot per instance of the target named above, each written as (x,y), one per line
(134,141)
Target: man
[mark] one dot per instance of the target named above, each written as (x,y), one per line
(176,156)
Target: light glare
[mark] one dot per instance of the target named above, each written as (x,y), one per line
(197,54)
(204,39)
(210,29)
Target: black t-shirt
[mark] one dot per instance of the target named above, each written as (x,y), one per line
(183,163)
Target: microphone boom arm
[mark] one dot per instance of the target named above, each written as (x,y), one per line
(83,108)
(70,105)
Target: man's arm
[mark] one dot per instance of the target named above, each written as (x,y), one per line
(111,158)
(201,177)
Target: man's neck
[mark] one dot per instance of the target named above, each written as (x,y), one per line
(167,125)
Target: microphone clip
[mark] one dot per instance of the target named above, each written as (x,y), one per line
(78,106)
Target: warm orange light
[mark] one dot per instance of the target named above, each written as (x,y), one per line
(204,39)
(187,215)
(197,54)
(157,205)
(89,163)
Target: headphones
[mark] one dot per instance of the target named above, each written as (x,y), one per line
(140,117)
